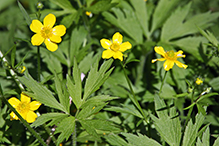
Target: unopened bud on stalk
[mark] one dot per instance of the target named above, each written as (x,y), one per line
(39,5)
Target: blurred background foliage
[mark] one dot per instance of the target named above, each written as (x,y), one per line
(171,24)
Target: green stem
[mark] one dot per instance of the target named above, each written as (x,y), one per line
(23,121)
(38,64)
(190,110)
(162,82)
(133,97)
(13,74)
(79,3)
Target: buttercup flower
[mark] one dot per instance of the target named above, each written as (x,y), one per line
(198,81)
(47,33)
(115,47)
(24,107)
(170,57)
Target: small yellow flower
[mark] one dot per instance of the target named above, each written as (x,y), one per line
(93,108)
(24,107)
(23,69)
(47,33)
(115,47)
(88,13)
(198,81)
(170,57)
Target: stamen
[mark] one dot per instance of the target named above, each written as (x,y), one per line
(115,47)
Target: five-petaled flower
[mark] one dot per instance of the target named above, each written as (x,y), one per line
(170,57)
(115,47)
(24,107)
(198,81)
(47,33)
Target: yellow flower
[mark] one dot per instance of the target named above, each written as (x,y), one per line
(23,69)
(198,81)
(88,13)
(24,107)
(170,57)
(47,33)
(115,47)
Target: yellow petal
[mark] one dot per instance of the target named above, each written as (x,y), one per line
(160,50)
(49,20)
(55,38)
(50,45)
(181,64)
(13,116)
(168,65)
(36,26)
(14,102)
(34,105)
(118,55)
(160,59)
(125,46)
(31,117)
(37,39)
(117,38)
(25,98)
(59,30)
(107,54)
(179,54)
(105,43)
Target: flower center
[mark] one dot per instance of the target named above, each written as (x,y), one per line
(46,32)
(171,55)
(115,47)
(23,107)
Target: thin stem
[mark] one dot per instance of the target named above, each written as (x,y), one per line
(38,64)
(133,98)
(190,110)
(79,3)
(13,74)
(162,82)
(24,121)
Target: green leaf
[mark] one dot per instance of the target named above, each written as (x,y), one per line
(162,12)
(88,61)
(214,83)
(25,14)
(62,93)
(78,36)
(176,26)
(100,6)
(114,139)
(96,78)
(142,16)
(140,140)
(168,126)
(211,38)
(64,4)
(191,131)
(201,109)
(171,27)
(75,88)
(90,109)
(125,109)
(66,128)
(205,141)
(216,142)
(126,20)
(41,93)
(98,124)
(54,117)
(5,3)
